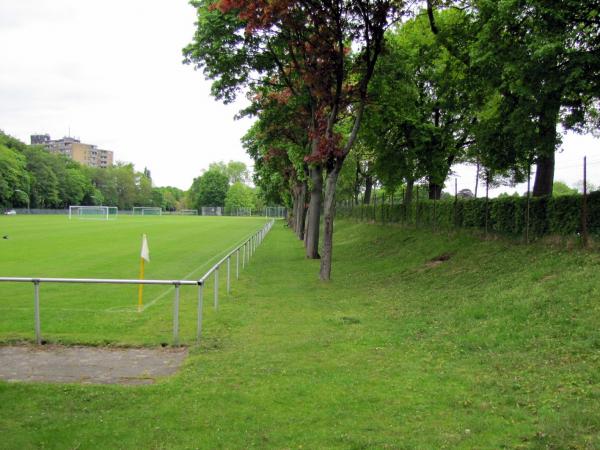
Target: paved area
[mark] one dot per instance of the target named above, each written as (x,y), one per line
(88,365)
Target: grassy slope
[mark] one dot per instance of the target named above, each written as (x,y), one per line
(497,347)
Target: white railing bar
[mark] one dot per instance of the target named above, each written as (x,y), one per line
(100,281)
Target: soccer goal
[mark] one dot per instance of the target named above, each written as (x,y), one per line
(187,212)
(238,211)
(212,211)
(93,212)
(147,211)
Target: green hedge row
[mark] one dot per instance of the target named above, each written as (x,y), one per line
(505,215)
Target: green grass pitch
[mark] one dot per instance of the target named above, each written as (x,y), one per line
(54,246)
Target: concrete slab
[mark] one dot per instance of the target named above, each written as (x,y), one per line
(88,365)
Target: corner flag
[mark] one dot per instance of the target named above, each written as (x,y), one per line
(145,250)
(144,256)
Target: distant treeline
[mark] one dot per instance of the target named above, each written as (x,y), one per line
(32,177)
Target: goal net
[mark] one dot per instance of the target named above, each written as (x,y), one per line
(93,212)
(147,211)
(211,211)
(238,211)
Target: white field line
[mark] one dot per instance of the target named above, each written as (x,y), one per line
(203,265)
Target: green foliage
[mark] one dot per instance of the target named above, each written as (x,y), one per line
(419,119)
(239,196)
(14,179)
(210,189)
(561,188)
(235,171)
(559,215)
(168,198)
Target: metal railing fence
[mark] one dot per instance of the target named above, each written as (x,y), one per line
(247,249)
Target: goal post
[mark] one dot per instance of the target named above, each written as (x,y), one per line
(212,211)
(187,212)
(93,212)
(147,211)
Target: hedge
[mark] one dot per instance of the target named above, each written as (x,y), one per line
(505,215)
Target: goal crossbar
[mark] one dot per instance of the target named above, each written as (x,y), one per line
(147,211)
(93,212)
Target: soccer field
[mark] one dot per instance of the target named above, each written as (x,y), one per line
(56,247)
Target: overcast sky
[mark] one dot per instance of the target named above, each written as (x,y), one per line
(110,71)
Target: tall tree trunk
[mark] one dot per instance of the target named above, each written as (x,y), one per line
(328,216)
(301,219)
(368,190)
(408,194)
(314,212)
(356,187)
(408,197)
(477,178)
(435,191)
(295,206)
(544,174)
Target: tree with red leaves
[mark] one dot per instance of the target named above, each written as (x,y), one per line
(324,49)
(278,142)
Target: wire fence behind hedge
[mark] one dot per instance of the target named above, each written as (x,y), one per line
(568,215)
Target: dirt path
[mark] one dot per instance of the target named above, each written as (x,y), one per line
(88,365)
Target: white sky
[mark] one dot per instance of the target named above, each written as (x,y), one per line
(569,167)
(110,72)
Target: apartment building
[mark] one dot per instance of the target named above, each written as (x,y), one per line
(72,148)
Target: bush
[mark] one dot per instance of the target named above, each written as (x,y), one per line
(505,215)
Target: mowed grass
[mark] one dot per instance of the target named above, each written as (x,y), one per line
(497,346)
(54,246)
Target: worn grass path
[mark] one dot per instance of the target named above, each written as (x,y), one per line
(496,347)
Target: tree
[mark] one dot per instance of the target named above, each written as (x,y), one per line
(419,120)
(210,189)
(145,193)
(326,51)
(278,144)
(14,179)
(235,171)
(540,60)
(561,188)
(44,182)
(239,196)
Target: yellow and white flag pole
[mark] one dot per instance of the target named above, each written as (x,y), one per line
(144,256)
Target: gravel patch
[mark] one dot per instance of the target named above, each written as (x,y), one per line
(88,365)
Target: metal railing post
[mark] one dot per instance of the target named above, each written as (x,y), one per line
(36,312)
(200,300)
(244,256)
(176,317)
(237,264)
(228,274)
(216,288)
